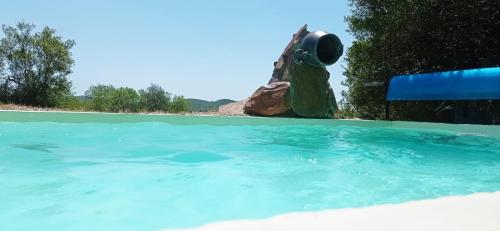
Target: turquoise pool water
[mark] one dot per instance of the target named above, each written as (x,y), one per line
(62,171)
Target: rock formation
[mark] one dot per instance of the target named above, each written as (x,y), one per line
(270,100)
(233,109)
(295,89)
(309,94)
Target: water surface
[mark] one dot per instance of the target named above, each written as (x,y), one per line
(117,172)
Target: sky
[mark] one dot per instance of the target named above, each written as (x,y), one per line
(200,49)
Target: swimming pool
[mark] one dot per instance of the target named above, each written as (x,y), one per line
(90,171)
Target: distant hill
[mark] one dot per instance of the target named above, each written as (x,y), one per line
(198,105)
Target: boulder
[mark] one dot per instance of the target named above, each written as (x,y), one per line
(269,100)
(233,109)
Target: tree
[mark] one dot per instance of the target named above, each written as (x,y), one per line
(179,104)
(401,37)
(34,65)
(125,99)
(100,97)
(154,98)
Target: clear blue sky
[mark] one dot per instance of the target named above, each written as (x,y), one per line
(200,49)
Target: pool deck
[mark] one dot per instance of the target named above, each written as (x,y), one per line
(479,211)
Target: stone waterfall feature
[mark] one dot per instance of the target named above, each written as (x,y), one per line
(299,84)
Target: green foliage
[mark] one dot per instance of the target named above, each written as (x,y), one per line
(154,98)
(346,110)
(179,104)
(100,97)
(34,65)
(106,98)
(72,103)
(125,99)
(402,37)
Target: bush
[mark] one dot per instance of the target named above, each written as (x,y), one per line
(100,97)
(70,102)
(154,98)
(179,104)
(124,99)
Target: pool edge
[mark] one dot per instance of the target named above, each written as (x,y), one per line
(479,211)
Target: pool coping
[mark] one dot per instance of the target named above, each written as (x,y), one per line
(480,211)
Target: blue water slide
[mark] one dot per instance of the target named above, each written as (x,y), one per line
(472,84)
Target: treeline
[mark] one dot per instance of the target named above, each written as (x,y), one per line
(107,98)
(34,67)
(401,37)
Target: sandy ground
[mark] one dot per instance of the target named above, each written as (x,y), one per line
(14,107)
(21,108)
(477,212)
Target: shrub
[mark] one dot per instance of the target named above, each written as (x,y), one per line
(125,99)
(154,98)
